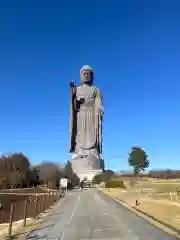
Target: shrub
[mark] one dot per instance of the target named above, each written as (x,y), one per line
(115,184)
(97,179)
(105,176)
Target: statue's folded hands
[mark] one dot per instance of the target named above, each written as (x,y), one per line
(80,100)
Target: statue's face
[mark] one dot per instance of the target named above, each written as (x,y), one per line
(86,77)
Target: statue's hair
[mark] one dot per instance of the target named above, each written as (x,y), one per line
(86,67)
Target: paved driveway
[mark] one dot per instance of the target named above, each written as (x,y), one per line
(87,215)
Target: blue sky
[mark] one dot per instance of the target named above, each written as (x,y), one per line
(134,48)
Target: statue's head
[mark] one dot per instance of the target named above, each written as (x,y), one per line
(86,75)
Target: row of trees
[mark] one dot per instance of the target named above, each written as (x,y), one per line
(16,171)
(166,174)
(158,174)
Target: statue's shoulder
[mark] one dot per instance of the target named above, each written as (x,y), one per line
(98,91)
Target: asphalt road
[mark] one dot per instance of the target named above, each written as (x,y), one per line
(86,214)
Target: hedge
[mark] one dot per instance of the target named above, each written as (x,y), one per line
(115,184)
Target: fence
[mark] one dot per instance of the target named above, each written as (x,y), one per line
(25,206)
(155,190)
(157,194)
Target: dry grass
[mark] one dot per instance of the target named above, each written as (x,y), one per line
(161,208)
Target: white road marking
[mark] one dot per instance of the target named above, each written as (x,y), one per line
(70,218)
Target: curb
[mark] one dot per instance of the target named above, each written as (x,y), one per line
(137,211)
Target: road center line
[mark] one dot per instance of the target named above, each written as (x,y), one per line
(70,218)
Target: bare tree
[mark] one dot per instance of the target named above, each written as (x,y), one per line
(49,173)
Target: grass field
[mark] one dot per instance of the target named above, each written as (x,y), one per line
(163,209)
(157,198)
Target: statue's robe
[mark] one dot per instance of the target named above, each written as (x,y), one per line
(86,121)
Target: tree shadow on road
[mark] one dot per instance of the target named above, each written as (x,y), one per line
(36,237)
(43,227)
(27,233)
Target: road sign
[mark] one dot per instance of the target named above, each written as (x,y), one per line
(63,182)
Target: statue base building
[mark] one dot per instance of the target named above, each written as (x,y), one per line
(87,174)
(86,167)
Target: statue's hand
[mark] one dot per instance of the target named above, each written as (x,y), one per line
(101,111)
(81,100)
(71,84)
